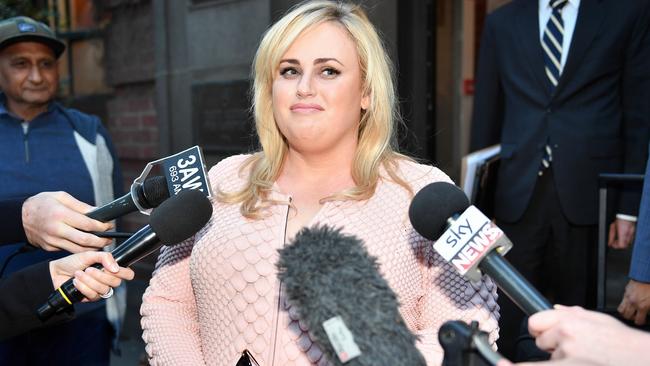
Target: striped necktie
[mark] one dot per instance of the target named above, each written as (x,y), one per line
(552,45)
(552,42)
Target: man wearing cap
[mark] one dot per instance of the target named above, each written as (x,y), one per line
(47,147)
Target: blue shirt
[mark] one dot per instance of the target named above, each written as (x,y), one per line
(640,265)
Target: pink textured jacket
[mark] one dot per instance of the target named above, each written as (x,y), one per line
(217,294)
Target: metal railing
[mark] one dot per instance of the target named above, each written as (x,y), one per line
(604,180)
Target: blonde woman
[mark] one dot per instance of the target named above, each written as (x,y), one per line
(325,114)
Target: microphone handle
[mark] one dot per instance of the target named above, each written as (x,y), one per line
(513,284)
(115,209)
(141,244)
(148,242)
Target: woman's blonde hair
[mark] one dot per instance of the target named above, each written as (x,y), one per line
(377,146)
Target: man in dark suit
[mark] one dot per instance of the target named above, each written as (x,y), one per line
(564,87)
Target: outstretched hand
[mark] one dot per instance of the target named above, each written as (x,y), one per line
(57,221)
(90,281)
(576,336)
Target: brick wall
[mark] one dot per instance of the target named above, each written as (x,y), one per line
(132,125)
(131,110)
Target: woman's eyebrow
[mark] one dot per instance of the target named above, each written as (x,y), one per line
(316,61)
(326,59)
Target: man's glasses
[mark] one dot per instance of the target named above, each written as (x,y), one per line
(247,359)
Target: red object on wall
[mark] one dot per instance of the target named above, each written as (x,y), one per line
(468,87)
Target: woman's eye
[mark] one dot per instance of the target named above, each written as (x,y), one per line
(330,72)
(288,71)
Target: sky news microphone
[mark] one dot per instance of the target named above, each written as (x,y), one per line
(470,242)
(349,309)
(151,193)
(175,220)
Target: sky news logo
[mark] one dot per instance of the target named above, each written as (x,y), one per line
(479,244)
(468,239)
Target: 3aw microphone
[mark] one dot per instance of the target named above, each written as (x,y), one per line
(150,194)
(175,220)
(348,307)
(470,242)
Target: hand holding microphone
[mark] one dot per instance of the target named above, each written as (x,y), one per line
(17,308)
(174,221)
(55,221)
(576,336)
(90,281)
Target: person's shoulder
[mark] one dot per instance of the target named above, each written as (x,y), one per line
(77,115)
(506,11)
(419,175)
(87,125)
(229,172)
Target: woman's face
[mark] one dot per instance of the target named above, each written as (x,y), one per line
(317,97)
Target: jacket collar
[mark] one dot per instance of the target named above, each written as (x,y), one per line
(4,111)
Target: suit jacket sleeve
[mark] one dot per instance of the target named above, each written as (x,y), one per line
(11,225)
(640,266)
(487,116)
(636,108)
(22,293)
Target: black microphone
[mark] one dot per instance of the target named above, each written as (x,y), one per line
(348,307)
(151,193)
(470,242)
(175,220)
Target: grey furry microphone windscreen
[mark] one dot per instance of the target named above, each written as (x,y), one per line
(327,274)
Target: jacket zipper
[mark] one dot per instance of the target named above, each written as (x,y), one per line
(277,318)
(26,140)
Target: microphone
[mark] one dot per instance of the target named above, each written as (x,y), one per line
(470,242)
(175,220)
(151,193)
(348,307)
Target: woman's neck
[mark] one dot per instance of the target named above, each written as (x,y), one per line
(317,166)
(327,172)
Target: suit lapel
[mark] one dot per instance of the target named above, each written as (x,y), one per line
(528,29)
(590,16)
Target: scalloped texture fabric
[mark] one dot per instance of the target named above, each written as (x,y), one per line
(217,293)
